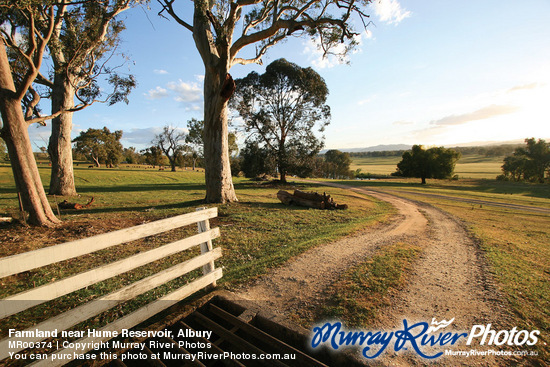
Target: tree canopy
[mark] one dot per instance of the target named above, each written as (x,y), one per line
(337,163)
(438,162)
(101,146)
(531,162)
(154,156)
(223,29)
(85,37)
(172,143)
(281,108)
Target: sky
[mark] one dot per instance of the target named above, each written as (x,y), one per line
(425,72)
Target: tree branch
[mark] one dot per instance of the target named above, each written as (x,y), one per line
(37,51)
(167,5)
(288,25)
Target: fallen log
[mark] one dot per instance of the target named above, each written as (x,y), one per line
(289,199)
(309,199)
(66,205)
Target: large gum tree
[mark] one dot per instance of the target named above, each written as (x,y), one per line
(261,23)
(15,87)
(76,35)
(81,48)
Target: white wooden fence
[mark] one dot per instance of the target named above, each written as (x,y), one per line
(34,259)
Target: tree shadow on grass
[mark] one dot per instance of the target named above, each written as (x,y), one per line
(142,188)
(120,209)
(272,205)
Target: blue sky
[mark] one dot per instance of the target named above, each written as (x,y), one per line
(426,72)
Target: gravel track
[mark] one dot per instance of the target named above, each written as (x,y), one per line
(448,281)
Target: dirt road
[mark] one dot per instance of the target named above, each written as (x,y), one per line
(449,280)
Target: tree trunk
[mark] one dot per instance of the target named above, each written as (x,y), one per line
(59,147)
(423,180)
(282,174)
(15,134)
(219,184)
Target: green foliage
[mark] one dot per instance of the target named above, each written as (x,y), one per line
(531,162)
(194,137)
(256,160)
(172,143)
(131,156)
(337,164)
(196,140)
(432,163)
(88,37)
(362,292)
(280,109)
(100,146)
(85,39)
(154,156)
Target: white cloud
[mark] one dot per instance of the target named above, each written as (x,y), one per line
(194,107)
(524,87)
(390,11)
(481,114)
(160,71)
(157,93)
(186,92)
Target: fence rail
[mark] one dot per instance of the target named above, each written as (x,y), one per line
(34,259)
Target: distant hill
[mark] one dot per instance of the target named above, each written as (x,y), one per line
(376,148)
(396,147)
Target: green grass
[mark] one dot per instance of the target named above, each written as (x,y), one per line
(516,243)
(469,166)
(258,232)
(360,293)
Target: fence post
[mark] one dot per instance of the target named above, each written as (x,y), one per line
(204,226)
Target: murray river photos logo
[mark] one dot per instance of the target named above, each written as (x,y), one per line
(418,337)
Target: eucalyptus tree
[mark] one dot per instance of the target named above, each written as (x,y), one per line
(530,162)
(171,142)
(80,37)
(437,162)
(81,52)
(16,89)
(82,45)
(221,29)
(100,146)
(281,109)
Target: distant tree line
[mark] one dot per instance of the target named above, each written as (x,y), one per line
(486,151)
(489,151)
(530,162)
(381,153)
(171,147)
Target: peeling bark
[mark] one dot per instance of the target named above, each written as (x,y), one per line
(59,147)
(15,134)
(219,184)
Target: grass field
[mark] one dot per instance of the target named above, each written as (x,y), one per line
(469,166)
(259,233)
(516,243)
